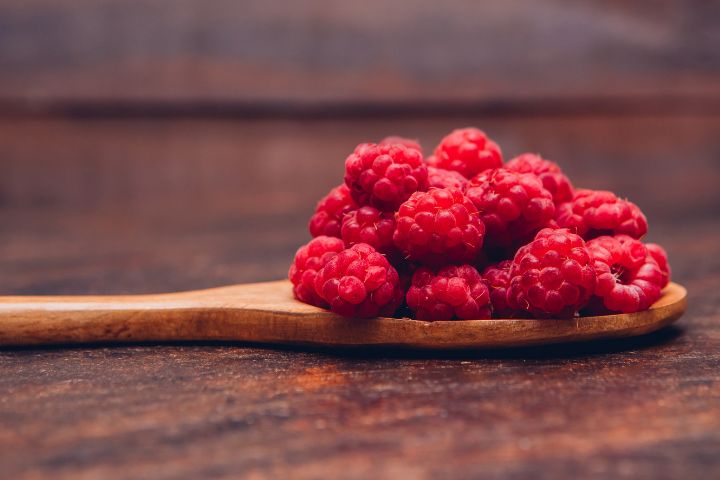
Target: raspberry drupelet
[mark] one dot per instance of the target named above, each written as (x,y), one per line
(594,213)
(395,139)
(439,227)
(372,226)
(359,282)
(513,206)
(309,259)
(441,178)
(552,276)
(628,277)
(453,292)
(497,278)
(549,173)
(468,151)
(330,211)
(659,254)
(384,176)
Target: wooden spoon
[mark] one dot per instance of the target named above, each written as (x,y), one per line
(267,313)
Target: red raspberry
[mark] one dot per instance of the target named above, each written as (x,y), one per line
(359,282)
(438,227)
(452,292)
(408,142)
(593,213)
(330,211)
(552,276)
(384,176)
(468,151)
(549,173)
(497,278)
(309,259)
(628,277)
(659,254)
(441,178)
(369,225)
(513,206)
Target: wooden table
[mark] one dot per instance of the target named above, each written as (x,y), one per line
(170,145)
(129,205)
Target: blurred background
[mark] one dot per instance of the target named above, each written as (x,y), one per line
(153,145)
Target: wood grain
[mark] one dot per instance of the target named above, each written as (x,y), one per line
(132,206)
(164,169)
(313,52)
(140,168)
(267,313)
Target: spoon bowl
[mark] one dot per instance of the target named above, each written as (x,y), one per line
(267,313)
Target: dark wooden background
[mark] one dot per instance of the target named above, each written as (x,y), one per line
(149,146)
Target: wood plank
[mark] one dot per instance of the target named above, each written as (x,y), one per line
(314,52)
(284,166)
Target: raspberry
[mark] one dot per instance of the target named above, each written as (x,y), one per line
(659,254)
(359,282)
(309,259)
(628,277)
(549,173)
(552,276)
(384,176)
(497,278)
(441,178)
(330,211)
(468,151)
(452,292)
(594,213)
(513,206)
(438,227)
(369,225)
(408,142)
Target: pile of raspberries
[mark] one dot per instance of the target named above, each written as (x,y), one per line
(462,235)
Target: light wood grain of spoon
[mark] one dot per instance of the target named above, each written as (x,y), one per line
(267,313)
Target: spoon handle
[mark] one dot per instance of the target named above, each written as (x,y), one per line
(227,313)
(53,320)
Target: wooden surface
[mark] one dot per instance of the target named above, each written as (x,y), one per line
(267,313)
(223,54)
(138,205)
(166,145)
